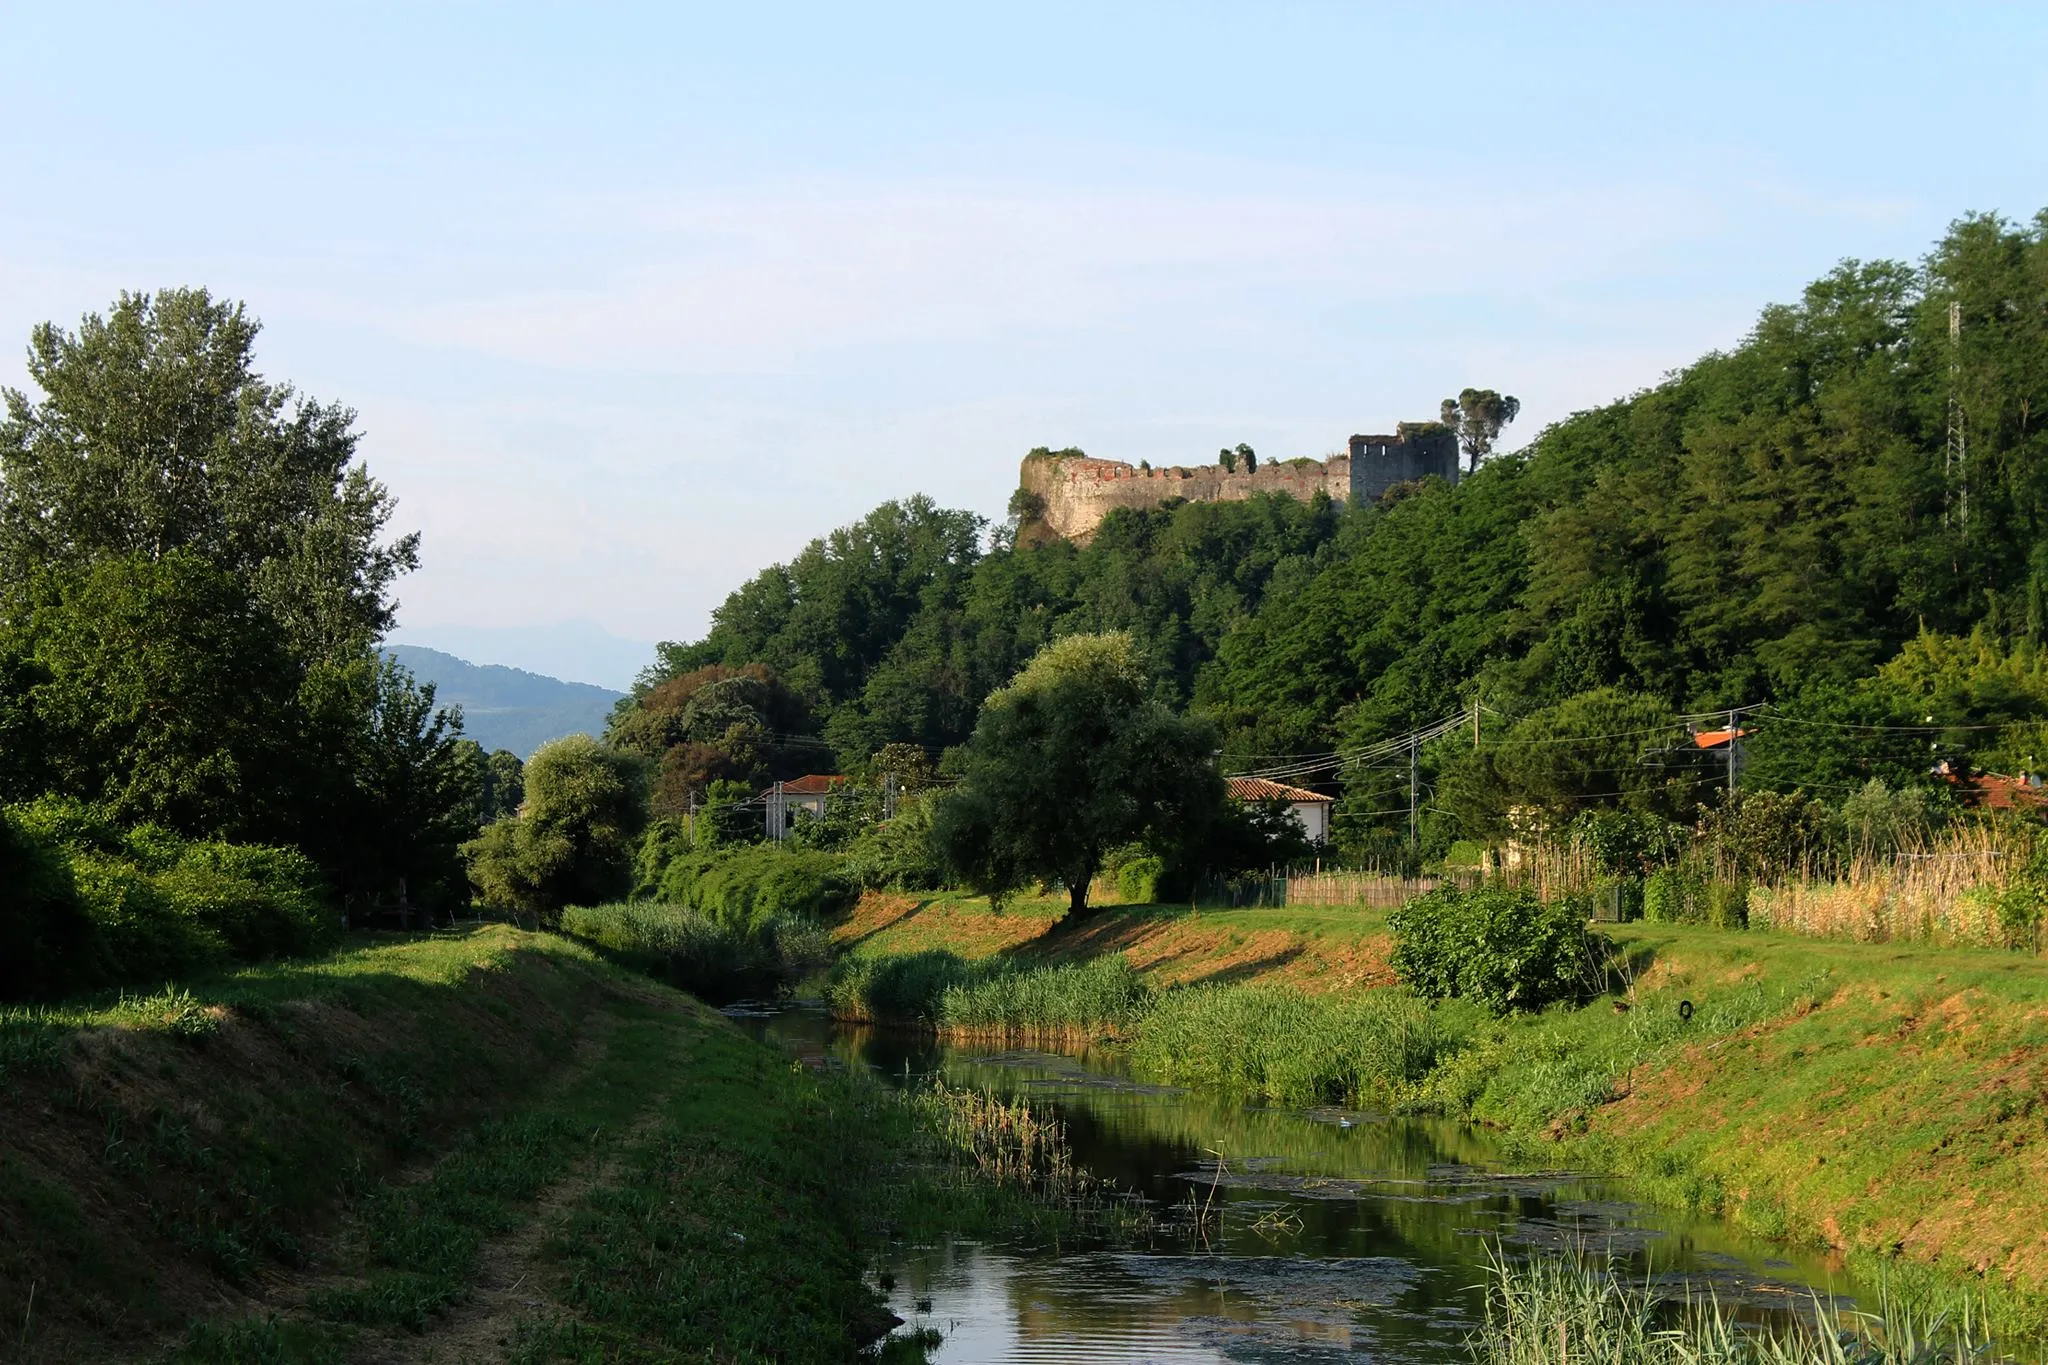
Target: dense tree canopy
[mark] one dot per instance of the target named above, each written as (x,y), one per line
(194,578)
(1069,761)
(1779,526)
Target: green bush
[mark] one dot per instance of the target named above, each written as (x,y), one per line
(753,884)
(2022,902)
(1138,880)
(85,903)
(1728,905)
(261,902)
(1673,895)
(145,939)
(1498,945)
(48,943)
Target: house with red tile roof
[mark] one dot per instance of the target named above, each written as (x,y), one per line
(811,792)
(1310,809)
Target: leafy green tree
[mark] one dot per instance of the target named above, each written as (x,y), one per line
(194,575)
(160,690)
(1477,416)
(404,803)
(506,790)
(1071,760)
(156,435)
(574,841)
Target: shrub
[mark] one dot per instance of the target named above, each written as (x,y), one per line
(1728,905)
(260,902)
(145,938)
(1138,880)
(47,940)
(1673,895)
(2021,903)
(84,902)
(1498,945)
(750,885)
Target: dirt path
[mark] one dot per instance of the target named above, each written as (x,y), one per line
(509,1273)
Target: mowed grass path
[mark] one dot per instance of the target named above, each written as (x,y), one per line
(1886,1101)
(481,1145)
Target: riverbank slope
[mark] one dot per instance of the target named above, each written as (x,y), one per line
(1888,1102)
(478,1144)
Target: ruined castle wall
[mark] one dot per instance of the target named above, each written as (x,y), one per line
(1380,462)
(1078,493)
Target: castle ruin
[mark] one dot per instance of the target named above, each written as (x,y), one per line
(1074,492)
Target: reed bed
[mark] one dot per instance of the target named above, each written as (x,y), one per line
(1076,1003)
(1006,1141)
(689,949)
(1291,1047)
(1964,886)
(1563,1310)
(1948,893)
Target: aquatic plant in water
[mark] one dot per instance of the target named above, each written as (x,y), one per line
(1568,1310)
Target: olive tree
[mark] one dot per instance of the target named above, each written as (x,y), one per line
(1071,759)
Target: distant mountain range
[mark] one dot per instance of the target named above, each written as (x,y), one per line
(580,650)
(508,708)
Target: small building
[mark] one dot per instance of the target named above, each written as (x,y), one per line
(1311,810)
(812,793)
(1995,791)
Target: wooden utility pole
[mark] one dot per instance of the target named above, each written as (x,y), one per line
(1731,755)
(1414,827)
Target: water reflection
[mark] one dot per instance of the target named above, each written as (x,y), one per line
(1341,1235)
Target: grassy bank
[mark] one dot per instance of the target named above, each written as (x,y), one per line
(468,1145)
(1881,1100)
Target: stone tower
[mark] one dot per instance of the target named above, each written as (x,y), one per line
(1417,450)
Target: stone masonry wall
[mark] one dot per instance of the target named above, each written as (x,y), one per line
(1078,492)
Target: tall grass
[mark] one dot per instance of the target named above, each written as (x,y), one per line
(1292,1047)
(1953,888)
(1006,1141)
(897,988)
(1078,1002)
(717,959)
(1565,1311)
(1946,892)
(995,1001)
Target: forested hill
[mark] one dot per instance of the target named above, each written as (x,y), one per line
(1773,524)
(508,708)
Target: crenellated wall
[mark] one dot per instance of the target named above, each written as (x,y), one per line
(1076,492)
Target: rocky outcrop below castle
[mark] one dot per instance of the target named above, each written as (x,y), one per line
(1070,493)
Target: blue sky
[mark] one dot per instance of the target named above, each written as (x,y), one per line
(635,300)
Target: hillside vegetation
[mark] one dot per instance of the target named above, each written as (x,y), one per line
(1777,526)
